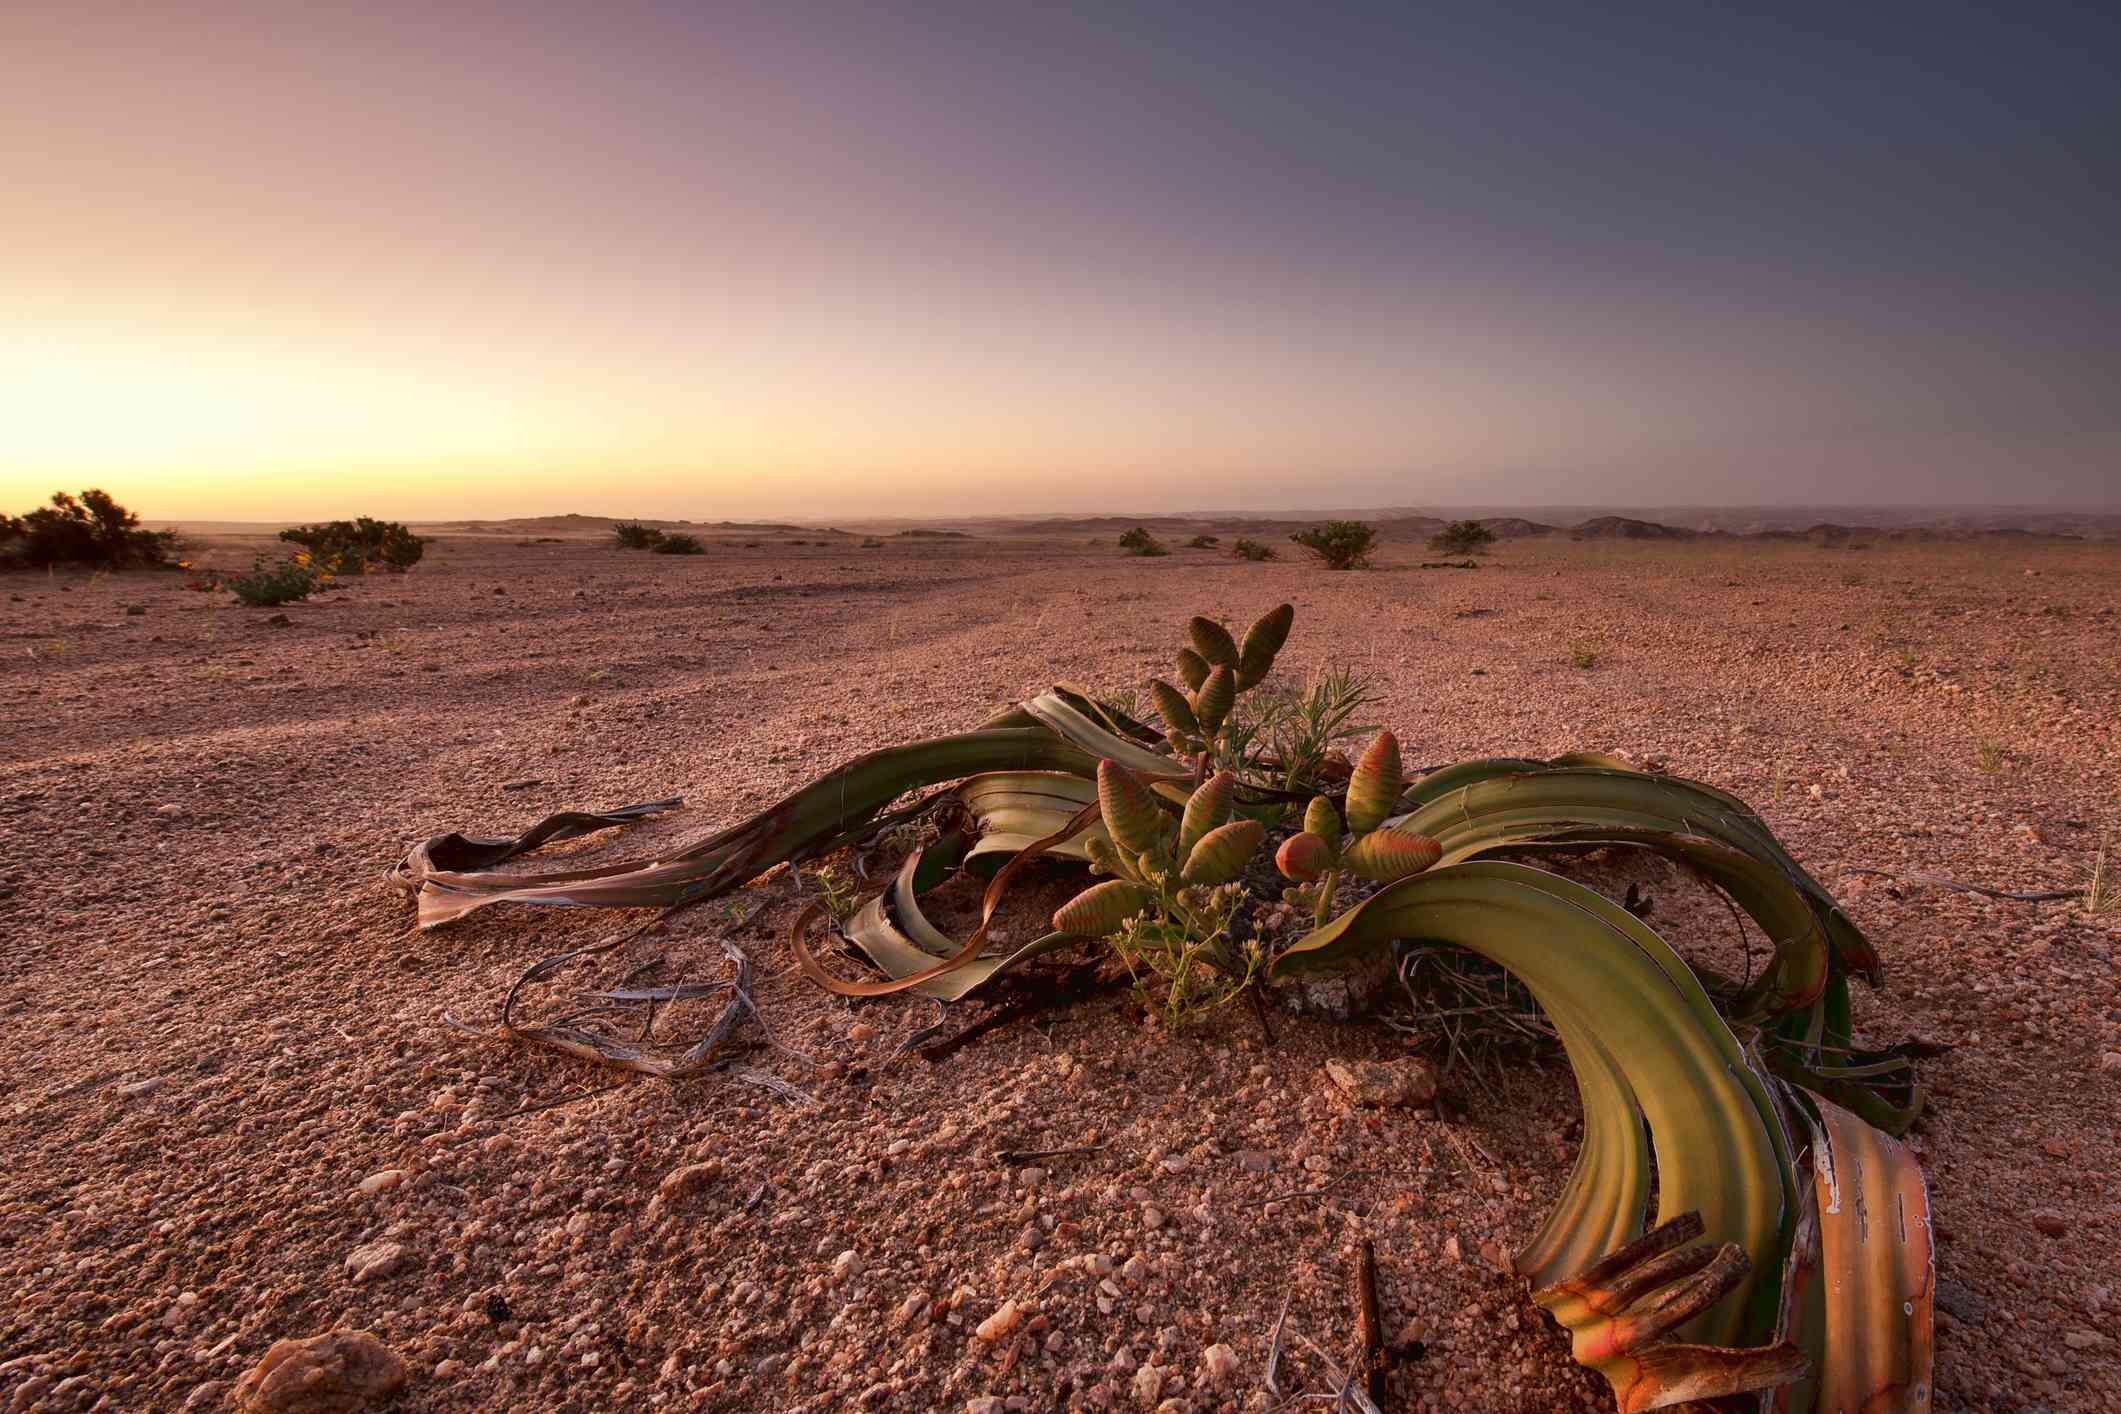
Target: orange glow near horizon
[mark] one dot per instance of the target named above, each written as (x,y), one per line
(271,262)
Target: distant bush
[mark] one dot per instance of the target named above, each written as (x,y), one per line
(1204,542)
(632,535)
(1253,550)
(1342,544)
(870,542)
(95,532)
(1139,541)
(267,584)
(1463,537)
(358,546)
(678,545)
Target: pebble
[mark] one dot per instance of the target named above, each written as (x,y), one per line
(1218,1363)
(139,1089)
(383,1181)
(1384,1085)
(690,1180)
(1136,1269)
(1254,1161)
(2049,1221)
(847,1266)
(999,1324)
(1149,1384)
(1153,1218)
(341,1370)
(861,1031)
(375,1260)
(986,1404)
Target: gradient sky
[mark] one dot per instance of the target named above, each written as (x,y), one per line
(263,260)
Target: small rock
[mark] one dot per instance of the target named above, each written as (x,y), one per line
(1218,1364)
(1153,1218)
(2084,1340)
(211,1395)
(169,812)
(523,784)
(847,1266)
(914,1308)
(861,1031)
(2109,1062)
(383,1182)
(278,621)
(1136,1268)
(1451,1248)
(134,611)
(1382,1085)
(986,1404)
(1098,1264)
(1149,1384)
(690,1180)
(1961,1302)
(1317,1163)
(2049,1221)
(1491,1252)
(139,1089)
(448,1369)
(999,1324)
(375,1261)
(1254,1161)
(340,1372)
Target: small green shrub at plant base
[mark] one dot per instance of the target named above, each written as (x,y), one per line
(632,535)
(268,584)
(1204,542)
(360,546)
(1252,550)
(678,545)
(1463,537)
(94,532)
(1341,544)
(1139,541)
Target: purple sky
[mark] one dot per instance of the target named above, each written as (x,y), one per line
(704,260)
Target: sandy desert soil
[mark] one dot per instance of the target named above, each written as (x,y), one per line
(226,1068)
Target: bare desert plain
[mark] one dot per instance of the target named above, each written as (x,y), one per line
(235,1108)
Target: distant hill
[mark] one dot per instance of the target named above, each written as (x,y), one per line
(1516,527)
(1626,528)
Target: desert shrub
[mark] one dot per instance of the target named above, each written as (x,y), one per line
(870,542)
(269,584)
(678,545)
(94,531)
(1341,544)
(1139,541)
(632,535)
(1583,655)
(1463,537)
(358,546)
(1253,550)
(1204,542)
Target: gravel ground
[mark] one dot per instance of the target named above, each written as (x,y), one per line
(233,1111)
